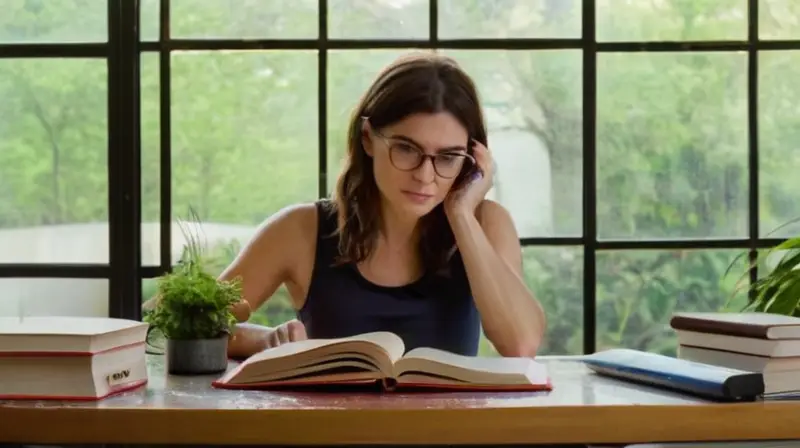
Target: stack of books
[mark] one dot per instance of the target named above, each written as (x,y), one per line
(754,342)
(70,358)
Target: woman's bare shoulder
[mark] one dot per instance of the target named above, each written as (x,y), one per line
(283,241)
(292,226)
(295,239)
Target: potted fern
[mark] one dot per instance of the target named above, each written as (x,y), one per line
(193,312)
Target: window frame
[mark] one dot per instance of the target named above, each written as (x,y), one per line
(124,48)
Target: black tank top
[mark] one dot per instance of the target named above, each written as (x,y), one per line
(435,311)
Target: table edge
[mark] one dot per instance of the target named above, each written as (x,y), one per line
(523,425)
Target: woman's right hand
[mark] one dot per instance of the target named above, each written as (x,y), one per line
(290,331)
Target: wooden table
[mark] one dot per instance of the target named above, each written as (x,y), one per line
(582,408)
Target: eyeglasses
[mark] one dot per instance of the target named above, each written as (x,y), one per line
(406,156)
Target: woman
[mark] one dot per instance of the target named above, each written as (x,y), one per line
(408,244)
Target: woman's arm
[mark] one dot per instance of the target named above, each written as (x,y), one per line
(512,318)
(270,258)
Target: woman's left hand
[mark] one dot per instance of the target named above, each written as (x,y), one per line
(467,197)
(242,310)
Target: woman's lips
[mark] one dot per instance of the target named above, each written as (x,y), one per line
(417,197)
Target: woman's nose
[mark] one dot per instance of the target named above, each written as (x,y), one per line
(426,172)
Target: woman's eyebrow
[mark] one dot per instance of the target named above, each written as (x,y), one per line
(410,140)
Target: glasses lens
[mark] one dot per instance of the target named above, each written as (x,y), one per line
(404,157)
(449,165)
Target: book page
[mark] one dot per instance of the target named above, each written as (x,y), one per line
(289,349)
(389,342)
(493,365)
(372,352)
(441,366)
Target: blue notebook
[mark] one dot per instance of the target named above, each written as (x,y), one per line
(702,380)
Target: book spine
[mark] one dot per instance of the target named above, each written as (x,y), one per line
(716,327)
(388,384)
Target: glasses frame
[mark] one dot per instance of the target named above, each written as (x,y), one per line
(423,156)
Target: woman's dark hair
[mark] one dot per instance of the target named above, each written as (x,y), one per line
(416,83)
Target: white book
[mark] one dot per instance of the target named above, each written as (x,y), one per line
(70,358)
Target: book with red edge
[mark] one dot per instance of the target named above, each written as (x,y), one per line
(70,358)
(380,358)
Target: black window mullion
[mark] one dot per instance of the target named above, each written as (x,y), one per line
(53,50)
(589,176)
(165,136)
(752,126)
(322,100)
(433,23)
(124,164)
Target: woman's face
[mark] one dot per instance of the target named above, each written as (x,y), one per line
(396,151)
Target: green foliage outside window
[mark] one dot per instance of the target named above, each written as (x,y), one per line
(671,136)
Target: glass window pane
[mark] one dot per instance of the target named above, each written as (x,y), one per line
(149,20)
(350,73)
(54,297)
(53,21)
(378,19)
(244,139)
(779,19)
(638,291)
(533,107)
(244,19)
(625,20)
(151,159)
(555,276)
(672,145)
(779,143)
(476,19)
(53,161)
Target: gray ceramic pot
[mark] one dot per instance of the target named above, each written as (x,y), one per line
(197,356)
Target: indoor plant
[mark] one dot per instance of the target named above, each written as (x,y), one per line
(193,312)
(778,289)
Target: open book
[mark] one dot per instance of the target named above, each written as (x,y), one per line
(379,358)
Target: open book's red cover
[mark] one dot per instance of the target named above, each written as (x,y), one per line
(398,387)
(546,387)
(114,390)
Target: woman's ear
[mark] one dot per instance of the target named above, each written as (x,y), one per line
(366,141)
